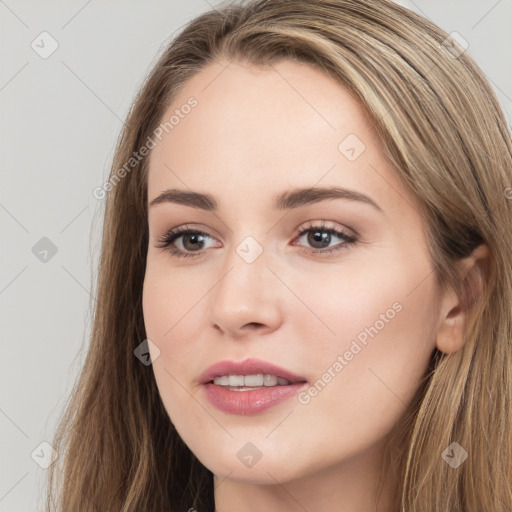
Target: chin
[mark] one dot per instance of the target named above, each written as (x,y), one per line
(240,468)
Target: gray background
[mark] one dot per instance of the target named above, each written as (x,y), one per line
(61,116)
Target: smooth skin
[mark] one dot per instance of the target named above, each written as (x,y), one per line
(257,132)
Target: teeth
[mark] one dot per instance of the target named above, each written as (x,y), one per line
(269,380)
(222,381)
(251,381)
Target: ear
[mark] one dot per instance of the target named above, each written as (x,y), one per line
(456,313)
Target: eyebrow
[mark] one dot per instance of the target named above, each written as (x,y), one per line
(284,201)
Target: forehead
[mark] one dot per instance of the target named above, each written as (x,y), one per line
(257,129)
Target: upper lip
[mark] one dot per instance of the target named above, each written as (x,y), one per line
(247,367)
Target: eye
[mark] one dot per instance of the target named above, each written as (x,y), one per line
(193,241)
(320,238)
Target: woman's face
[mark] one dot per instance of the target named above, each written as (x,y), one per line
(354,319)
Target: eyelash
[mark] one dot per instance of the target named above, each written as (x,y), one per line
(172,235)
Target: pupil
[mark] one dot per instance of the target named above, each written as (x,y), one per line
(194,238)
(321,237)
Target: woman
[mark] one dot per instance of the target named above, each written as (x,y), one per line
(304,297)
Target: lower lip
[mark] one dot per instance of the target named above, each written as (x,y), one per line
(251,402)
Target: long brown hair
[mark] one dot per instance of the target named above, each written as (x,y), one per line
(442,127)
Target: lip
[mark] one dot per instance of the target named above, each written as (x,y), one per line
(247,367)
(248,403)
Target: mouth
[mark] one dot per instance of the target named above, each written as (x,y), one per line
(250,386)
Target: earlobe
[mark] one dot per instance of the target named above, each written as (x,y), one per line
(457,313)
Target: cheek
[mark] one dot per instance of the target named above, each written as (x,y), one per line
(168,302)
(370,368)
(171,303)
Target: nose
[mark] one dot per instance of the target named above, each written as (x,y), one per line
(248,298)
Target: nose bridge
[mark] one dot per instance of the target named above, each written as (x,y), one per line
(246,275)
(245,293)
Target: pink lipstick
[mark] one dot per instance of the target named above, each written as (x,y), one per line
(250,386)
